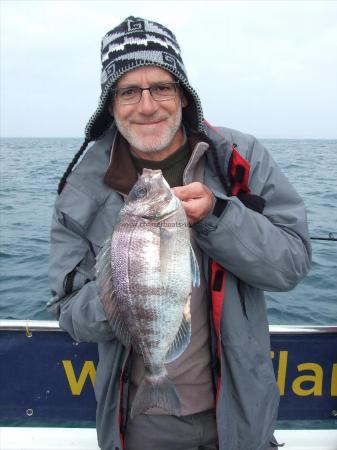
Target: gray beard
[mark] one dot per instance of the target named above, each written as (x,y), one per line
(158,144)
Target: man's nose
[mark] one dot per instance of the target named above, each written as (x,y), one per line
(147,104)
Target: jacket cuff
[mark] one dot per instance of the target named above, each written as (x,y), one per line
(210,222)
(219,206)
(253,202)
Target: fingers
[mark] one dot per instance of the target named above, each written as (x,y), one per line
(197,209)
(196,199)
(190,191)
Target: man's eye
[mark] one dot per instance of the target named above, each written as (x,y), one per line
(163,88)
(129,92)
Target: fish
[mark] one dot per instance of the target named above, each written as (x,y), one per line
(145,273)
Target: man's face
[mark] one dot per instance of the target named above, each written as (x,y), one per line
(150,126)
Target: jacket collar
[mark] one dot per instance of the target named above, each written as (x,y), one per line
(121,174)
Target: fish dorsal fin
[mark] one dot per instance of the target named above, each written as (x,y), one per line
(182,338)
(107,295)
(194,268)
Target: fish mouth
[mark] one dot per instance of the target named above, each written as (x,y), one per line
(167,212)
(159,218)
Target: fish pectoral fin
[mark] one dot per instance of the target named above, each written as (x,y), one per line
(167,240)
(194,268)
(181,340)
(107,295)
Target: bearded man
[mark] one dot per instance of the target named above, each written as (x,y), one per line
(248,230)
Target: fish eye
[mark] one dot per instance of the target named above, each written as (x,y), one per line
(141,192)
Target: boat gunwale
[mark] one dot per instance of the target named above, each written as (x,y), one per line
(53,325)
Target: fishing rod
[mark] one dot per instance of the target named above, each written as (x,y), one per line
(331,237)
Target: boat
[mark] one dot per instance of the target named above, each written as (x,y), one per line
(47,399)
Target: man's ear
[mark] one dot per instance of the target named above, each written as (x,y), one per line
(184,101)
(111,109)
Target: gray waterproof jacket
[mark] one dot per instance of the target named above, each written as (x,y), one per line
(260,252)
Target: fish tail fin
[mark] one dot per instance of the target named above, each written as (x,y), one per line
(156,391)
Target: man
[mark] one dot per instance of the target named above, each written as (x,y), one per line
(248,230)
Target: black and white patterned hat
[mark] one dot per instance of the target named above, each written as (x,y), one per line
(136,43)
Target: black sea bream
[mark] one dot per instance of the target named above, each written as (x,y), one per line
(145,273)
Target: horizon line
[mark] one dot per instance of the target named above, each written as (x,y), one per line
(82,137)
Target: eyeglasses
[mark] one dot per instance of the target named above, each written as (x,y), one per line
(159,92)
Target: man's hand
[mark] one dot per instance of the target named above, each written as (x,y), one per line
(196,199)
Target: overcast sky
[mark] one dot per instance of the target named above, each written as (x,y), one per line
(268,68)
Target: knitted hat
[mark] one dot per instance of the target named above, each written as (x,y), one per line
(136,43)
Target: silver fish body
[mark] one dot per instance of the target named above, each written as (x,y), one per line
(145,273)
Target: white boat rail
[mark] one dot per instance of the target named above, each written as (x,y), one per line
(53,325)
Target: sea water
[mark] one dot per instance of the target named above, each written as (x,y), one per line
(30,170)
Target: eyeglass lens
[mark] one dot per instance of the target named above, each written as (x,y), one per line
(159,92)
